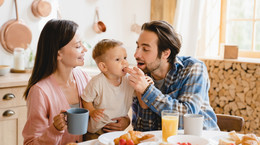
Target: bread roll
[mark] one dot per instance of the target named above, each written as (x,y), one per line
(233,135)
(226,141)
(250,139)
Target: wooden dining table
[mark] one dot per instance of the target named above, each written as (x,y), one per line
(212,136)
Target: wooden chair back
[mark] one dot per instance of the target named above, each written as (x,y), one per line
(230,122)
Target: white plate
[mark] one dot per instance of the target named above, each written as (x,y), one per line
(225,136)
(149,143)
(108,138)
(194,140)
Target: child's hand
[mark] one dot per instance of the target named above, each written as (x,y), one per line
(149,80)
(97,114)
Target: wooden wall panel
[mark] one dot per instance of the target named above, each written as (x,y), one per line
(163,10)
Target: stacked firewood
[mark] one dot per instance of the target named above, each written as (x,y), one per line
(235,90)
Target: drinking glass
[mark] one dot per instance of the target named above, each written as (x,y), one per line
(170,121)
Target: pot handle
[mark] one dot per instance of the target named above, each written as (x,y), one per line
(59,16)
(97,13)
(16,10)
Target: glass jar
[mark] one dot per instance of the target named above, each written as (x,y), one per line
(19,59)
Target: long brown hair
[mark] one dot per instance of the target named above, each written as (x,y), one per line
(55,35)
(167,38)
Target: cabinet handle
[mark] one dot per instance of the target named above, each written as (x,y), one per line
(9,96)
(8,113)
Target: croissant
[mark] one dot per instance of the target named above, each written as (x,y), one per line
(126,136)
(136,136)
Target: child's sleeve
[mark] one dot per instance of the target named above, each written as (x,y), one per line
(90,92)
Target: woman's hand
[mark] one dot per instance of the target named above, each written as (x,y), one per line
(60,122)
(121,124)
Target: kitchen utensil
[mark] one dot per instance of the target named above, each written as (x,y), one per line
(41,8)
(20,71)
(14,33)
(59,15)
(1,2)
(4,69)
(135,27)
(98,25)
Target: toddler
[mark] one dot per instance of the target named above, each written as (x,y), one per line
(108,95)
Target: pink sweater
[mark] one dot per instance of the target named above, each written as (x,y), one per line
(46,100)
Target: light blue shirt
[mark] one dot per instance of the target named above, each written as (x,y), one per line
(185,89)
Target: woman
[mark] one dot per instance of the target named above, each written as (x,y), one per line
(55,84)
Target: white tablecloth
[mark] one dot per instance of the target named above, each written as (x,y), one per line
(213,136)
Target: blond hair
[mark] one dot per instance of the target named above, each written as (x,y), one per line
(102,47)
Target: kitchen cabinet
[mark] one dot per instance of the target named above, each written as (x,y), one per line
(13,108)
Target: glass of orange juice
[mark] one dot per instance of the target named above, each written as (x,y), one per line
(170,120)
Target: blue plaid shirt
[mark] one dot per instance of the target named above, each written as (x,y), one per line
(185,89)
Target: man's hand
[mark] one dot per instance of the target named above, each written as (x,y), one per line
(149,80)
(137,79)
(141,102)
(121,124)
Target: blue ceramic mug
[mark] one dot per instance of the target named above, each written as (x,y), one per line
(77,120)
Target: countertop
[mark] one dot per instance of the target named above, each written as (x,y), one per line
(21,79)
(239,59)
(14,79)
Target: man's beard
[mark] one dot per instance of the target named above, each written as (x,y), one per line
(149,68)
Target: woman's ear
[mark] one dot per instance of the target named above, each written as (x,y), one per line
(59,56)
(102,66)
(166,53)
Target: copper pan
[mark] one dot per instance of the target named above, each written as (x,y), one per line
(98,25)
(41,8)
(2,32)
(14,33)
(1,2)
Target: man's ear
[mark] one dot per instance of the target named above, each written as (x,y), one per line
(102,66)
(166,53)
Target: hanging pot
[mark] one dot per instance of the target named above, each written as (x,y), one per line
(1,2)
(14,33)
(41,8)
(98,25)
(135,27)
